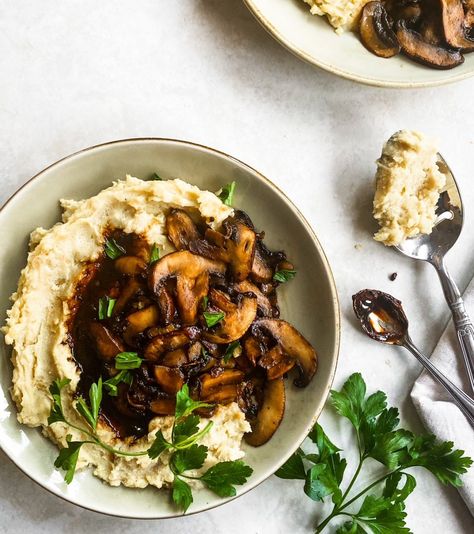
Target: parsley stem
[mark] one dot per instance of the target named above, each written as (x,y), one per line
(351,483)
(100,443)
(192,439)
(323,525)
(378,481)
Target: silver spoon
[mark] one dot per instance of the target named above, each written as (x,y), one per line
(433,247)
(382,318)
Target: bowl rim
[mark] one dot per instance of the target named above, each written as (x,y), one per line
(327,269)
(373,82)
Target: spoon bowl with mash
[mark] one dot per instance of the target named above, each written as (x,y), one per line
(433,247)
(382,318)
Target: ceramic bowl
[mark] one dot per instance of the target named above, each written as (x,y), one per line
(312,38)
(309,302)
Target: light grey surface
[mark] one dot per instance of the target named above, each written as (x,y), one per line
(78,73)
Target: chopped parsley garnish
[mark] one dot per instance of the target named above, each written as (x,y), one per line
(106,307)
(212,318)
(156,176)
(113,249)
(284,275)
(154,254)
(227,193)
(128,360)
(111,384)
(232,348)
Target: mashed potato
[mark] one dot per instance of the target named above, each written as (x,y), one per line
(342,14)
(408,184)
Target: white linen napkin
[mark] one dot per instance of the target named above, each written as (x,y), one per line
(435,408)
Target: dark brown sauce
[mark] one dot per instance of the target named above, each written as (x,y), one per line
(101,279)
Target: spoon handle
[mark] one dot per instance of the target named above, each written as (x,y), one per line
(462,322)
(463,401)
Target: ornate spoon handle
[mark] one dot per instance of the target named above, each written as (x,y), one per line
(462,322)
(463,401)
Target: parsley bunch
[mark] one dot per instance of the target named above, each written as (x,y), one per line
(185,453)
(379,439)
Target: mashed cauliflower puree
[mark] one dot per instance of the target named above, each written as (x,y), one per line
(408,184)
(342,14)
(36,326)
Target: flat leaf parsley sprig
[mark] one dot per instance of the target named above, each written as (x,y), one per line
(185,453)
(378,438)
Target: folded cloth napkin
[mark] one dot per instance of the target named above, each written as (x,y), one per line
(435,407)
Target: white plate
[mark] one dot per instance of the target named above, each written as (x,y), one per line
(312,38)
(309,302)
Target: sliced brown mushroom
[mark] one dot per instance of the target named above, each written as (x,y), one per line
(181,229)
(170,379)
(269,415)
(175,358)
(163,406)
(128,293)
(108,345)
(166,305)
(276,363)
(130,265)
(139,321)
(454,28)
(236,247)
(375,31)
(294,345)
(253,349)
(423,52)
(211,381)
(261,272)
(263,302)
(223,394)
(237,318)
(161,344)
(192,280)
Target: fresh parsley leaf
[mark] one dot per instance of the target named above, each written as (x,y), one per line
(390,448)
(324,444)
(440,459)
(154,254)
(186,459)
(284,275)
(91,413)
(113,250)
(205,302)
(387,520)
(185,405)
(349,402)
(186,428)
(392,490)
(293,468)
(227,193)
(55,389)
(157,177)
(350,527)
(321,482)
(231,350)
(158,446)
(212,318)
(222,477)
(67,458)
(111,384)
(128,360)
(181,493)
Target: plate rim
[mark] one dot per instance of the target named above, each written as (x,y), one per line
(332,287)
(372,82)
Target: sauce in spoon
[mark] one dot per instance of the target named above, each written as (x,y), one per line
(381,316)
